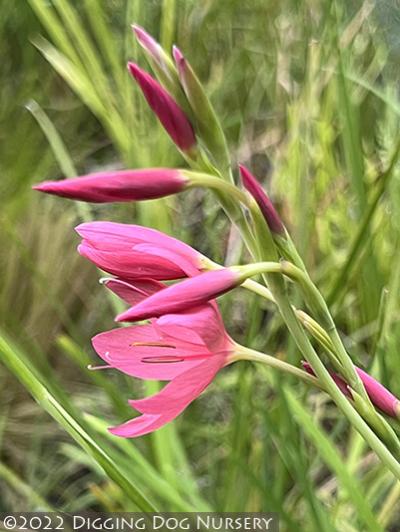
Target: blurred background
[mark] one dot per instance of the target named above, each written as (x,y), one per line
(307,93)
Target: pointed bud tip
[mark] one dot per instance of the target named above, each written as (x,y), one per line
(147,42)
(178,55)
(42,187)
(121,317)
(133,68)
(138,30)
(267,208)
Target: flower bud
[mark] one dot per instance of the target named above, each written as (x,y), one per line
(118,186)
(379,395)
(184,295)
(206,120)
(268,210)
(171,116)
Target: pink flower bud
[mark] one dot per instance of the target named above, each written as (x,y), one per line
(253,186)
(124,185)
(184,295)
(148,43)
(165,107)
(379,395)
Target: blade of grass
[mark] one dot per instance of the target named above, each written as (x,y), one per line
(362,232)
(23,489)
(335,462)
(13,359)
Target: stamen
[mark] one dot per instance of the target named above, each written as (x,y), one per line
(97,368)
(162,360)
(152,344)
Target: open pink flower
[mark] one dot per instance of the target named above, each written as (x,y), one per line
(184,295)
(186,349)
(135,252)
(118,186)
(171,116)
(266,206)
(379,395)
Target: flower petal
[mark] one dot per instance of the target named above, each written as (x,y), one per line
(132,293)
(131,264)
(140,351)
(180,392)
(140,426)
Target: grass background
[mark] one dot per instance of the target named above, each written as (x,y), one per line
(307,93)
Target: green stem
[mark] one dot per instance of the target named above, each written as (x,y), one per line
(245,353)
(278,290)
(317,303)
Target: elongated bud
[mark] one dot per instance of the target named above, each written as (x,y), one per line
(161,62)
(150,45)
(171,116)
(118,186)
(184,295)
(206,119)
(379,395)
(267,208)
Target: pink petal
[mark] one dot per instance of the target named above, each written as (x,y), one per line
(185,265)
(131,264)
(112,236)
(140,426)
(180,392)
(141,352)
(133,293)
(204,320)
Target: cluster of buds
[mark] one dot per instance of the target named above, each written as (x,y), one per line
(167,282)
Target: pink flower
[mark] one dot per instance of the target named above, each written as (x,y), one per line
(184,295)
(123,185)
(171,116)
(186,349)
(268,210)
(135,252)
(379,395)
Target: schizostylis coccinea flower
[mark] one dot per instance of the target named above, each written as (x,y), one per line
(135,252)
(118,185)
(186,349)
